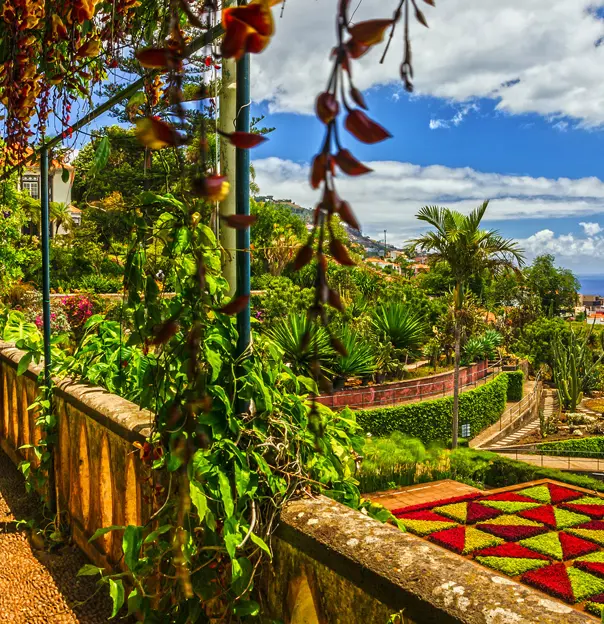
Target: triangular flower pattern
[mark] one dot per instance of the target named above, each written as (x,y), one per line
(546,535)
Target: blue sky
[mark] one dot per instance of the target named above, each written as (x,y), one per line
(514,113)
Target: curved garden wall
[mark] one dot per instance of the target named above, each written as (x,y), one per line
(365,397)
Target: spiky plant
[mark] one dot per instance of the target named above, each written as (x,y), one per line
(360,359)
(400,325)
(302,342)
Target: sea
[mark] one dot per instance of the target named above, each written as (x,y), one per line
(591,284)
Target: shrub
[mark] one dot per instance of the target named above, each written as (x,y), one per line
(581,447)
(431,421)
(515,385)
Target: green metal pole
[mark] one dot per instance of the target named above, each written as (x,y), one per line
(45,227)
(243,200)
(242,162)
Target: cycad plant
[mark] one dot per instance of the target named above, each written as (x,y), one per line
(360,359)
(400,325)
(482,347)
(303,342)
(574,368)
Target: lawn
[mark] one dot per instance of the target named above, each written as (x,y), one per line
(547,535)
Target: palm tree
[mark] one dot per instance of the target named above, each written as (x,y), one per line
(458,241)
(60,216)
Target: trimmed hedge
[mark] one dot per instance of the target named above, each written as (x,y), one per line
(431,421)
(580,447)
(515,385)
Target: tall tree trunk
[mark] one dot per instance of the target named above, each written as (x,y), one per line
(456,379)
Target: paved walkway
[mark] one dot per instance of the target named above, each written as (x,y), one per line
(549,405)
(420,493)
(576,464)
(37,587)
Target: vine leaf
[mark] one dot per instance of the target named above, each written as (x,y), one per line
(155,534)
(65,175)
(198,498)
(99,532)
(261,544)
(24,362)
(101,155)
(131,545)
(89,570)
(225,492)
(116,591)
(246,607)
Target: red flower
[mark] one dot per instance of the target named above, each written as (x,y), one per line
(247,28)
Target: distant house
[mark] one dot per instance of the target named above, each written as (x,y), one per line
(59,190)
(592,303)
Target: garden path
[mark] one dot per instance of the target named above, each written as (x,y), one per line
(574,464)
(420,493)
(549,405)
(38,587)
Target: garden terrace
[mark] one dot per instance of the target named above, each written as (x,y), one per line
(392,393)
(330,563)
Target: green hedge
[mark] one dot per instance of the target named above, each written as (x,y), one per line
(581,447)
(515,385)
(431,421)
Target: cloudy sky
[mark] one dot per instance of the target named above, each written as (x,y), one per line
(508,106)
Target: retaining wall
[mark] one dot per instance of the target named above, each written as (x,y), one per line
(98,473)
(366,397)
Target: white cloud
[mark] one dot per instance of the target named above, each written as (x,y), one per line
(459,116)
(590,228)
(532,55)
(583,254)
(392,194)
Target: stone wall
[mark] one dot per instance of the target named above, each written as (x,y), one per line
(433,386)
(98,473)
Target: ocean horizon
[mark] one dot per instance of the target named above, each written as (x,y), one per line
(591,284)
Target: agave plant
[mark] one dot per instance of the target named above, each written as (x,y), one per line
(400,325)
(482,347)
(291,336)
(359,361)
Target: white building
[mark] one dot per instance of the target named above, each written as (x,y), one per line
(60,191)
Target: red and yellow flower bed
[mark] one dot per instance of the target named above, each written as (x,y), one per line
(547,535)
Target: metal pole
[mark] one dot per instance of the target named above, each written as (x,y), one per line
(45,227)
(242,161)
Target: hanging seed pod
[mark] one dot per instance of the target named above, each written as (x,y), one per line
(335,300)
(340,253)
(235,306)
(303,257)
(240,222)
(327,107)
(348,216)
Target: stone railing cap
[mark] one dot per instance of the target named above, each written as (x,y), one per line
(118,414)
